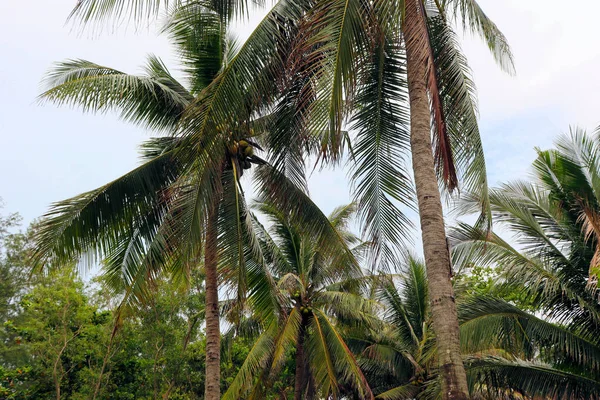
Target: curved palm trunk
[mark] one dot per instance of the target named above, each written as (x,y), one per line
(213,334)
(299,377)
(437,258)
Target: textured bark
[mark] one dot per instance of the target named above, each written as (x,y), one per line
(437,258)
(299,377)
(213,334)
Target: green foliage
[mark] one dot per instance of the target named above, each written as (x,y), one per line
(317,293)
(548,271)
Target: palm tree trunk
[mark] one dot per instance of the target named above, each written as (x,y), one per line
(437,258)
(299,377)
(213,333)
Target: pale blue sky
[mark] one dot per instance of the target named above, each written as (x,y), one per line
(49,153)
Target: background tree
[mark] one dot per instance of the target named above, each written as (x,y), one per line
(315,292)
(549,266)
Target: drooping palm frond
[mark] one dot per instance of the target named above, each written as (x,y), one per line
(497,377)
(257,359)
(102,11)
(333,38)
(459,102)
(343,360)
(379,176)
(488,323)
(93,223)
(477,22)
(155,100)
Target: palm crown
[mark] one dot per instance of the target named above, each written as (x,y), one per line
(316,291)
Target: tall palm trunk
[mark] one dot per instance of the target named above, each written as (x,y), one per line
(437,258)
(213,333)
(299,377)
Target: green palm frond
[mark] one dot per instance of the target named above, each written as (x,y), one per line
(256,361)
(343,359)
(540,284)
(97,222)
(200,36)
(321,360)
(154,100)
(334,36)
(301,211)
(459,100)
(408,391)
(488,322)
(287,338)
(102,11)
(226,107)
(348,307)
(379,176)
(477,22)
(494,376)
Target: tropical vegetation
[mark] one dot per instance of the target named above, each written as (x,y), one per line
(202,293)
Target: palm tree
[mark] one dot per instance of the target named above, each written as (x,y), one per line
(369,61)
(315,291)
(399,357)
(381,57)
(551,221)
(507,351)
(185,201)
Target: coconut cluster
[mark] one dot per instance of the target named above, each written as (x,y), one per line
(243,152)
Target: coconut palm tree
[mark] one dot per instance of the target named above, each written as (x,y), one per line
(392,67)
(315,292)
(185,201)
(507,351)
(551,221)
(399,357)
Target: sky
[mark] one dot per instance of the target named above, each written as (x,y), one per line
(48,153)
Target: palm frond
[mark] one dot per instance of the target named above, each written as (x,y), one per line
(459,102)
(102,11)
(227,106)
(301,211)
(494,376)
(334,35)
(477,22)
(154,100)
(488,322)
(379,176)
(343,359)
(408,391)
(94,222)
(257,359)
(200,36)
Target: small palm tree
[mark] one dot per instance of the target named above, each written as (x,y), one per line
(185,201)
(400,357)
(315,292)
(551,221)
